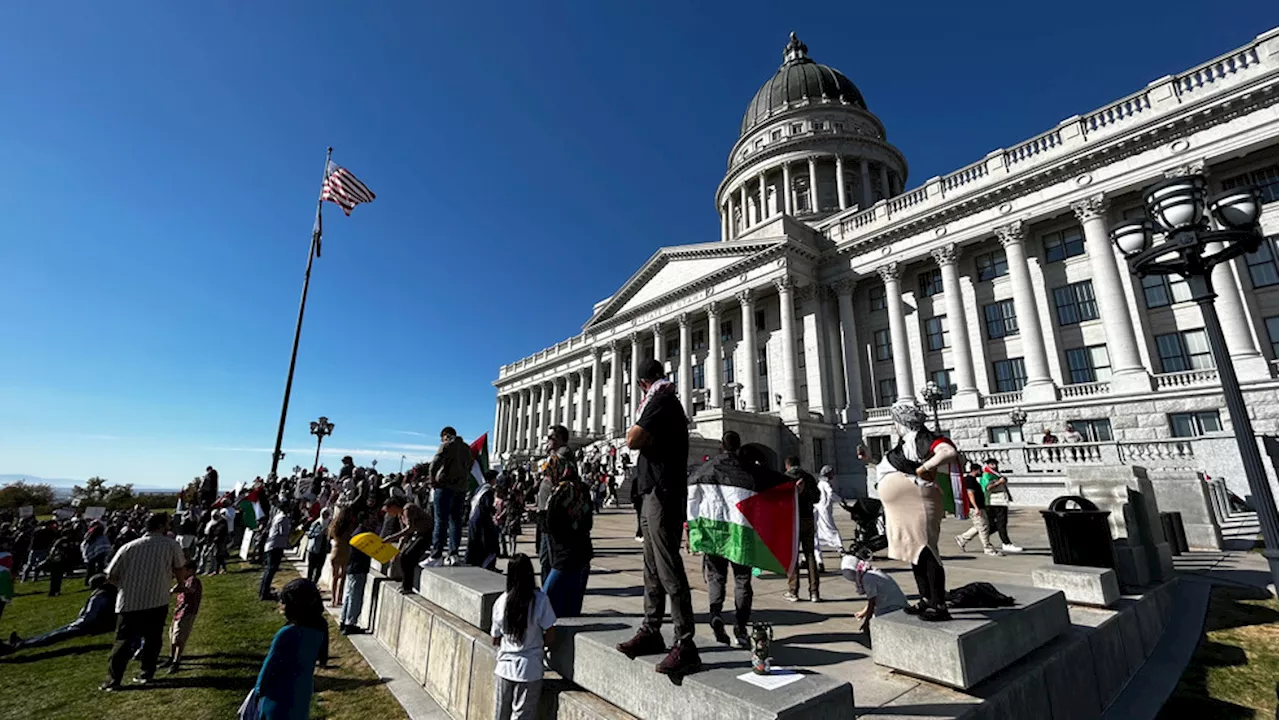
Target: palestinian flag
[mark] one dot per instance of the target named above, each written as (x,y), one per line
(748,515)
(479,462)
(950,480)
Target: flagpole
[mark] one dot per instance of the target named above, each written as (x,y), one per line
(297,330)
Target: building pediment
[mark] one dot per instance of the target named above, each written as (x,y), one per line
(674,270)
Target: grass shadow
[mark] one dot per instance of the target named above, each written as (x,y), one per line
(19,659)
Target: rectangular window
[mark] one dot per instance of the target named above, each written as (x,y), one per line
(726,331)
(1164,290)
(878,298)
(699,340)
(942,378)
(838,126)
(1182,351)
(930,282)
(888,392)
(1262,264)
(775,136)
(760,320)
(796,128)
(936,336)
(1075,303)
(819,456)
(1093,430)
(1002,320)
(1011,374)
(764,401)
(819,125)
(1005,435)
(883,345)
(728,368)
(762,361)
(1194,424)
(991,265)
(1273,335)
(1267,179)
(759,143)
(673,349)
(1088,364)
(700,376)
(878,445)
(1061,245)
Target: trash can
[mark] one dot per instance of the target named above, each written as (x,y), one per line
(1079,535)
(1170,532)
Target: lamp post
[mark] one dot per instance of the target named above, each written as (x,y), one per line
(320,428)
(1018,417)
(1176,208)
(401,463)
(932,394)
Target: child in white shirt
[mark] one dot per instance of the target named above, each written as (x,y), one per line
(523,623)
(883,594)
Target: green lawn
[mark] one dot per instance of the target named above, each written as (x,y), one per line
(1232,676)
(231,636)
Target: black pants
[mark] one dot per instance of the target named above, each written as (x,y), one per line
(56,573)
(806,552)
(715,570)
(93,567)
(270,566)
(663,527)
(146,626)
(998,516)
(638,502)
(315,565)
(410,556)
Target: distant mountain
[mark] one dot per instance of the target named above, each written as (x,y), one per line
(62,486)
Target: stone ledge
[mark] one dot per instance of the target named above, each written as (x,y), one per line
(584,653)
(467,592)
(975,644)
(1081,585)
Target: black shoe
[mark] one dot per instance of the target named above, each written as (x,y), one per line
(342,629)
(14,640)
(354,630)
(173,668)
(935,614)
(916,609)
(741,638)
(717,629)
(683,659)
(109,686)
(645,642)
(142,680)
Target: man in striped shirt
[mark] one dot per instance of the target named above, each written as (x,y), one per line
(143,571)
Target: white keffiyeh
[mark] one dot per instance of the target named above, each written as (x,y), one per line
(658,387)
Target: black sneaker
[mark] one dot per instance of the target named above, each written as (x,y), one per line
(683,659)
(173,668)
(741,638)
(354,630)
(717,629)
(916,609)
(645,642)
(109,686)
(935,614)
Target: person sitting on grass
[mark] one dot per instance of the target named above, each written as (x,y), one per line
(883,594)
(98,616)
(189,592)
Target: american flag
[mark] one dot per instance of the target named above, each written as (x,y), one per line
(344,189)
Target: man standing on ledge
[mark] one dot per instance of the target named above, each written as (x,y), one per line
(661,434)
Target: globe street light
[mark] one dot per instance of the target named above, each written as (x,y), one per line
(1018,417)
(1189,246)
(931,394)
(320,428)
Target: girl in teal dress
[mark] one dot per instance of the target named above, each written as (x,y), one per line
(285,682)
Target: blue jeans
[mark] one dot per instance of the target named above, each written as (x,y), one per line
(564,589)
(448,506)
(353,602)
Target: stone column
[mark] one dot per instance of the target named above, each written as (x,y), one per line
(544,412)
(724,224)
(531,434)
(659,344)
(864,170)
(1248,361)
(635,370)
(840,181)
(813,184)
(853,407)
(897,330)
(746,209)
(1127,372)
(788,203)
(746,372)
(517,423)
(733,233)
(786,303)
(685,385)
(614,417)
(966,397)
(583,427)
(556,397)
(497,424)
(1040,387)
(715,358)
(597,390)
(764,205)
(884,179)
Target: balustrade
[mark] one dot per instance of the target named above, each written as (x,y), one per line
(1033,147)
(1207,376)
(879,413)
(1080,390)
(1002,399)
(1156,454)
(964,176)
(1216,71)
(1115,115)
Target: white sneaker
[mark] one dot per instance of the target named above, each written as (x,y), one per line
(960,541)
(993,552)
(1011,548)
(639,538)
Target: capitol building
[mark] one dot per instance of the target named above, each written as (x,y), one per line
(839,283)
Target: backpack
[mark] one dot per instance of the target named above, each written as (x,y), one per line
(978,595)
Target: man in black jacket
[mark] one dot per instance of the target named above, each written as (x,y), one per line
(806,495)
(661,434)
(450,469)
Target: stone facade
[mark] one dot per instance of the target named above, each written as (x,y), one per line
(997,282)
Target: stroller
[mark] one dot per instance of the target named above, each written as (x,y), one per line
(869,538)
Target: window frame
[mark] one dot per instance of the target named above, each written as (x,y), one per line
(1001,324)
(1017,374)
(1195,423)
(1255,261)
(930,282)
(887,391)
(1069,240)
(1091,370)
(995,262)
(878,298)
(1185,356)
(1267,180)
(942,336)
(1008,432)
(883,352)
(1175,290)
(1075,303)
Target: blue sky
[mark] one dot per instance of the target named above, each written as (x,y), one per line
(161,163)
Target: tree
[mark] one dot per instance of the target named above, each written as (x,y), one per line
(96,492)
(19,494)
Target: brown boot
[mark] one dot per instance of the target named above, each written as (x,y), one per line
(682,660)
(645,642)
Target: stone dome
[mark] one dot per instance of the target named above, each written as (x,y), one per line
(800,79)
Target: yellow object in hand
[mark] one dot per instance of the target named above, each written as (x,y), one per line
(373,546)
